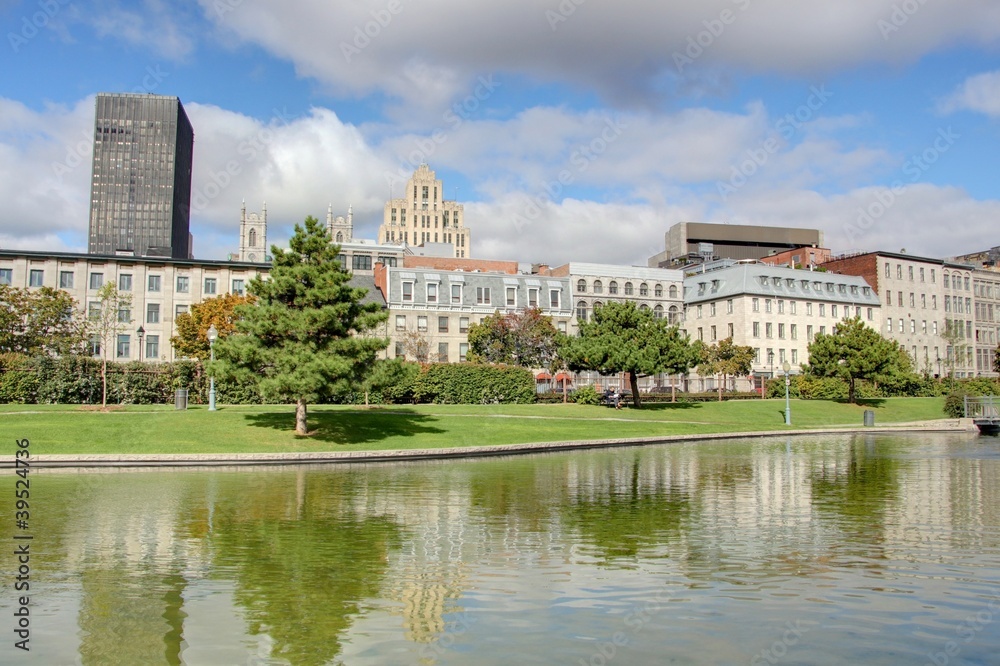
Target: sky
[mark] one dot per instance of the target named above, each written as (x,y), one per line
(572,130)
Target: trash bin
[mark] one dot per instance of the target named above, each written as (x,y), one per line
(181,399)
(869,417)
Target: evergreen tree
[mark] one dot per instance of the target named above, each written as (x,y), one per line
(856,351)
(623,338)
(304,338)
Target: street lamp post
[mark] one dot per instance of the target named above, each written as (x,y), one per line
(786,366)
(140,332)
(213,333)
(770,361)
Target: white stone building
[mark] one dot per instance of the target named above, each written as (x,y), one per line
(422,215)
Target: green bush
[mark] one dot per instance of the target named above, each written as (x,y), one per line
(954,404)
(586,395)
(473,383)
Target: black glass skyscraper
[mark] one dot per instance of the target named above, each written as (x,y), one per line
(140,196)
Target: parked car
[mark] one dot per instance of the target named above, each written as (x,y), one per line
(665,389)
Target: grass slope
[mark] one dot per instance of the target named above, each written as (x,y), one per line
(68,429)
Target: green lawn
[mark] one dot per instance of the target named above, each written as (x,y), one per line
(269,429)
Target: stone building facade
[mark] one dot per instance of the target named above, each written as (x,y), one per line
(430,311)
(422,215)
(774,309)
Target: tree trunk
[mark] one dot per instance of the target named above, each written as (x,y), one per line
(850,391)
(673,391)
(633,381)
(300,418)
(720,387)
(104,383)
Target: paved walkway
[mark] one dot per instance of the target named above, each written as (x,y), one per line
(291,458)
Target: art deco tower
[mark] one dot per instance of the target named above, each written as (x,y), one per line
(140,196)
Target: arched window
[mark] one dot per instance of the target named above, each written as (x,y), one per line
(674,315)
(340,237)
(673,291)
(597,304)
(658,291)
(581,310)
(252,238)
(581,286)
(643,289)
(628,288)
(643,307)
(598,287)
(612,287)
(658,311)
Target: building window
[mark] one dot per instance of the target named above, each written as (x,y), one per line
(701,334)
(66,279)
(554,298)
(362,262)
(822,309)
(422,324)
(94,345)
(36,278)
(658,311)
(781,331)
(179,310)
(511,296)
(152,346)
(713,334)
(463,351)
(899,271)
(809,309)
(463,324)
(793,331)
(767,305)
(643,289)
(442,352)
(698,311)
(456,294)
(833,310)
(628,289)
(673,291)
(598,287)
(888,324)
(96,280)
(183,284)
(122,350)
(124,315)
(153,283)
(400,322)
(755,305)
(238,287)
(781,306)
(756,329)
(809,332)
(407,291)
(612,287)
(399,353)
(152,313)
(769,330)
(432,292)
(125,282)
(483,295)
(795,356)
(94,310)
(658,291)
(871,314)
(913,326)
(6,276)
(729,306)
(532,298)
(210,286)
(581,310)
(442,324)
(581,286)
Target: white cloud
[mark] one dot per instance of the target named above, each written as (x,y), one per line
(360,48)
(153,26)
(980,93)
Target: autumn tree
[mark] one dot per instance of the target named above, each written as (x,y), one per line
(191,340)
(305,337)
(526,338)
(621,337)
(726,359)
(855,351)
(111,319)
(40,321)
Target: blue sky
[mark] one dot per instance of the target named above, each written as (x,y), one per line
(572,129)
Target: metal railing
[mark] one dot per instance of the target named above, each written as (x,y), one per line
(985,407)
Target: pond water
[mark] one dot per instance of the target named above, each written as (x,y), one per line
(823,550)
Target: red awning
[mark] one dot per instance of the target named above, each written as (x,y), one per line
(543,377)
(563,377)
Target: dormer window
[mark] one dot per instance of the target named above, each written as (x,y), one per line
(805,285)
(790,283)
(763,280)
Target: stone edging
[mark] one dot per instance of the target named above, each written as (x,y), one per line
(333,457)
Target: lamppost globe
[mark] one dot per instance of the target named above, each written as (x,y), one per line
(212,334)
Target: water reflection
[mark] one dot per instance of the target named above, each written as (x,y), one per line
(699,553)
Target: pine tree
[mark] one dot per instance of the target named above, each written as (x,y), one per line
(855,351)
(304,338)
(623,338)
